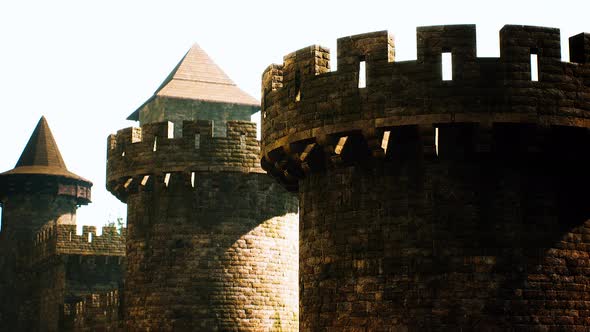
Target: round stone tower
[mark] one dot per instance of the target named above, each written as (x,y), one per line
(212,241)
(432,204)
(38,191)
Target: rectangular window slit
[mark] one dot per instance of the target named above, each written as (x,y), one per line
(193,179)
(534,67)
(197,141)
(436,140)
(340,145)
(128,182)
(297,86)
(145,180)
(447,66)
(385,141)
(362,75)
(167,179)
(155,143)
(89,237)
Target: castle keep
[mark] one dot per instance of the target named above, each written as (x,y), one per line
(212,240)
(49,275)
(430,204)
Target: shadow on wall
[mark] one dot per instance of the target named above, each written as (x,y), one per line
(220,254)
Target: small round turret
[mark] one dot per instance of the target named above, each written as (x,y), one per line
(40,189)
(38,192)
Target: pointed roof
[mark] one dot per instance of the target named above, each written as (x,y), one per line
(41,155)
(197,77)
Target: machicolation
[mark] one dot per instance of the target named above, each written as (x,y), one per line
(138,155)
(483,91)
(430,204)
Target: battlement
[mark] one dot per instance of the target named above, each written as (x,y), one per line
(139,155)
(63,240)
(305,105)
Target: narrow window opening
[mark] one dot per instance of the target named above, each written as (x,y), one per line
(197,141)
(70,236)
(362,75)
(534,67)
(155,143)
(340,145)
(385,141)
(89,237)
(145,180)
(123,154)
(167,179)
(128,182)
(447,66)
(193,179)
(436,140)
(297,86)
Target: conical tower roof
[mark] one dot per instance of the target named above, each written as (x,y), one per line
(197,77)
(41,156)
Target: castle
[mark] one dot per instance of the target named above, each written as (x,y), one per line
(426,202)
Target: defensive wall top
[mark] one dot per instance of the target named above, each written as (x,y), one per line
(139,156)
(302,98)
(63,240)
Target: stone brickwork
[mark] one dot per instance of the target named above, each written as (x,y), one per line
(437,205)
(212,241)
(177,110)
(94,312)
(62,267)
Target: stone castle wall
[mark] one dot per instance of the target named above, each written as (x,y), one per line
(436,205)
(94,312)
(212,241)
(63,240)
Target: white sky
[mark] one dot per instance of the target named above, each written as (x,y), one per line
(87,65)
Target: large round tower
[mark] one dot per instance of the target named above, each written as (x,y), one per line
(212,241)
(39,191)
(437,204)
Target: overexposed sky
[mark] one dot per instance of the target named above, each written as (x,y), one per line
(86,65)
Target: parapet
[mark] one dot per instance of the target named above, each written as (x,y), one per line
(136,156)
(304,103)
(63,240)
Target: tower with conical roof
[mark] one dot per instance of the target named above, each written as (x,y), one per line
(45,267)
(212,242)
(38,191)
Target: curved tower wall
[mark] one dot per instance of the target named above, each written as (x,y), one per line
(212,241)
(428,204)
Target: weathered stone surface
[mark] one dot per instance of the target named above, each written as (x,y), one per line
(430,205)
(44,266)
(212,241)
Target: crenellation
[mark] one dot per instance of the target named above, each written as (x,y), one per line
(481,89)
(428,204)
(580,48)
(64,240)
(518,42)
(460,40)
(196,150)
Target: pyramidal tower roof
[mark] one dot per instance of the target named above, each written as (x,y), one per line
(41,155)
(197,77)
